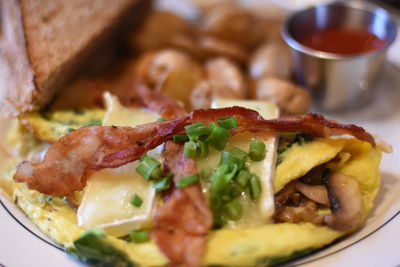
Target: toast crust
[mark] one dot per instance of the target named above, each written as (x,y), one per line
(54,42)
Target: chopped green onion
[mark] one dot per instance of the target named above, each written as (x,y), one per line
(243,178)
(197,129)
(257,150)
(161,119)
(234,190)
(218,222)
(233,210)
(190,149)
(139,236)
(149,168)
(187,180)
(164,183)
(180,138)
(136,201)
(94,122)
(218,137)
(255,187)
(222,176)
(228,123)
(202,149)
(238,153)
(228,158)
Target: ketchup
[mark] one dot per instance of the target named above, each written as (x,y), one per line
(343,41)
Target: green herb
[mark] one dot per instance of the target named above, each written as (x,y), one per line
(238,153)
(233,210)
(218,137)
(190,149)
(255,187)
(180,138)
(257,150)
(187,180)
(139,236)
(202,149)
(228,123)
(93,247)
(196,130)
(149,168)
(164,183)
(161,119)
(136,201)
(93,122)
(78,111)
(243,178)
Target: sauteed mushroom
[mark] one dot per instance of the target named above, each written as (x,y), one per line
(346,202)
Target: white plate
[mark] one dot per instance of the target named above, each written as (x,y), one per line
(376,244)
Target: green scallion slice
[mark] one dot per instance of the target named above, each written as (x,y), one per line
(257,150)
(222,177)
(139,236)
(218,137)
(197,129)
(255,187)
(202,149)
(164,183)
(190,149)
(228,158)
(228,123)
(187,180)
(180,138)
(233,210)
(149,168)
(243,178)
(238,153)
(136,201)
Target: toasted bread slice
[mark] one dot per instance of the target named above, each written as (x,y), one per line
(45,43)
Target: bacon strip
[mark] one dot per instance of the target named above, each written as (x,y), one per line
(182,223)
(70,161)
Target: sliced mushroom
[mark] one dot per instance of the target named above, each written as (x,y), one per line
(223,79)
(317,193)
(305,212)
(271,59)
(314,176)
(346,202)
(290,98)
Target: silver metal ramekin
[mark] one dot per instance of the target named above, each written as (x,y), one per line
(338,81)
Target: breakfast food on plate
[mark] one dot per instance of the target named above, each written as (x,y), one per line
(166,161)
(193,189)
(44,45)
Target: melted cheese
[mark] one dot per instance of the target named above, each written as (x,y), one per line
(107,199)
(260,212)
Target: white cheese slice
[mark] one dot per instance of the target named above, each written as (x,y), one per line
(106,201)
(265,169)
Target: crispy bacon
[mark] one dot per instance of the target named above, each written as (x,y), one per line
(181,224)
(71,160)
(167,107)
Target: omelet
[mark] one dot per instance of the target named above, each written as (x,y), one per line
(266,244)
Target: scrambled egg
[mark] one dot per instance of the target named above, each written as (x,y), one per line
(263,245)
